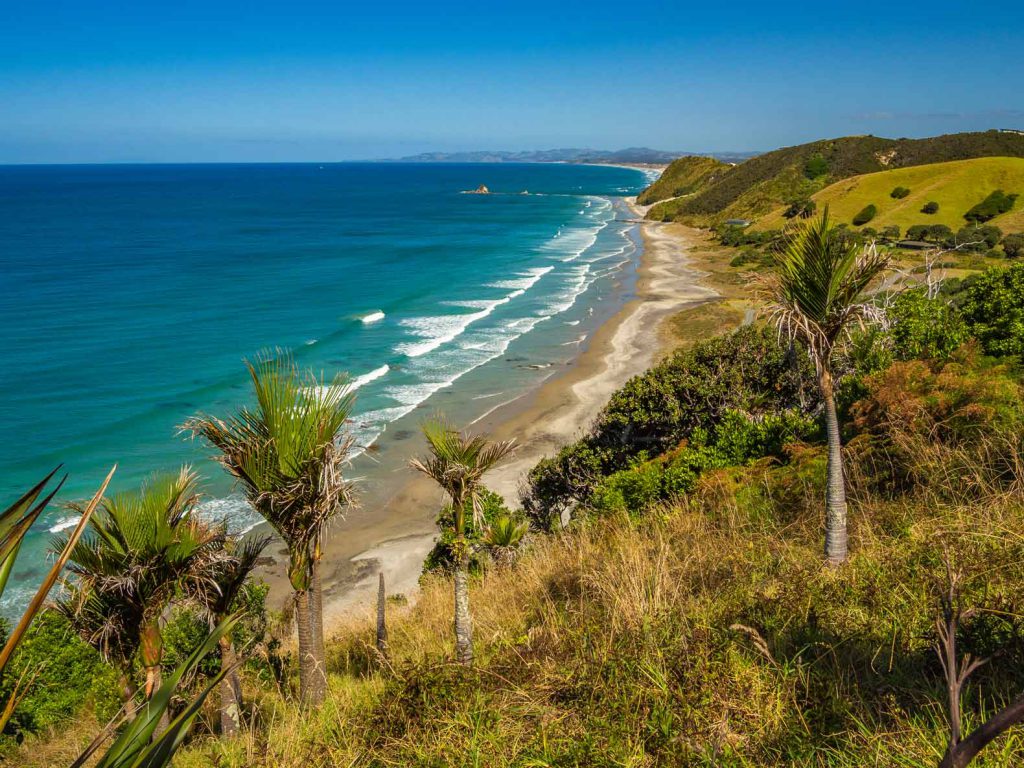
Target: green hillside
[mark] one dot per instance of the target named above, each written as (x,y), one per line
(758,186)
(954,186)
(683,177)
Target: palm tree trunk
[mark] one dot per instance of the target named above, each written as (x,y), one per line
(836,541)
(382,626)
(463,622)
(151,646)
(230,691)
(306,656)
(318,681)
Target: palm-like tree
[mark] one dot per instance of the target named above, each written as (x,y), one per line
(288,453)
(457,462)
(217,598)
(141,548)
(503,538)
(815,295)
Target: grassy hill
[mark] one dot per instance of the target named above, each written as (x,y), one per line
(760,185)
(955,186)
(683,177)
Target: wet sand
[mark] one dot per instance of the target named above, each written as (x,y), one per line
(395,535)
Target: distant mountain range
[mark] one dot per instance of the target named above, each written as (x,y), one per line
(638,155)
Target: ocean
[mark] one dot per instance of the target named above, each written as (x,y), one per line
(132,295)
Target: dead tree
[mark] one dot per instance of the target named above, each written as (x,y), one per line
(961,751)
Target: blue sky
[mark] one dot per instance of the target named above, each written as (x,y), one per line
(256,81)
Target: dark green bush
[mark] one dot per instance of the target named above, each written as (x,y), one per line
(653,413)
(739,236)
(977,238)
(892,232)
(866,215)
(1013,246)
(441,559)
(803,209)
(815,167)
(899,193)
(995,204)
(930,207)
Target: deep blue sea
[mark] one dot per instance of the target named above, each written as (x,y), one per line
(132,294)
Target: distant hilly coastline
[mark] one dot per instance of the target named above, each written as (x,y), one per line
(699,191)
(631,155)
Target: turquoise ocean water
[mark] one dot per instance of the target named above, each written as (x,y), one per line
(132,294)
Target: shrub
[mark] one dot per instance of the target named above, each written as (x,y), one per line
(441,559)
(992,305)
(899,193)
(995,204)
(738,236)
(1013,246)
(925,328)
(930,207)
(69,676)
(752,256)
(978,238)
(815,167)
(866,215)
(892,232)
(686,395)
(804,209)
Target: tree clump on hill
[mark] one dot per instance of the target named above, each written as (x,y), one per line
(865,215)
(815,167)
(803,208)
(995,204)
(899,193)
(1013,246)
(930,207)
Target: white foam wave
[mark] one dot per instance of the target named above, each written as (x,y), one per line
(524,281)
(234,510)
(366,378)
(373,317)
(63,525)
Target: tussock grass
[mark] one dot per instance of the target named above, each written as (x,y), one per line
(707,634)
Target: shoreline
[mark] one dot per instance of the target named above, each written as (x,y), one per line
(542,420)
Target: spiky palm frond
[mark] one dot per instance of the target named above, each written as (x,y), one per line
(505,533)
(227,577)
(817,290)
(288,452)
(457,462)
(141,547)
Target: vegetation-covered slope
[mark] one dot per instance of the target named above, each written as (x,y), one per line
(759,185)
(955,187)
(683,177)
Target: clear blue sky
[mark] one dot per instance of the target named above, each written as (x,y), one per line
(257,81)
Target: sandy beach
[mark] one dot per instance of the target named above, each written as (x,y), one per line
(395,535)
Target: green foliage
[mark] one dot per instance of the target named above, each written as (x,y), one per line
(996,203)
(978,238)
(815,167)
(803,208)
(68,676)
(1013,246)
(936,233)
(689,394)
(899,193)
(892,232)
(992,304)
(739,236)
(866,215)
(752,256)
(442,558)
(925,328)
(930,207)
